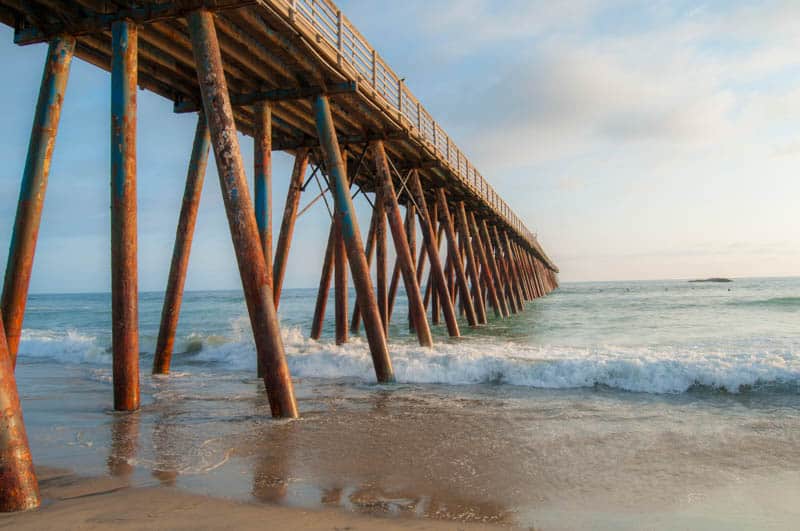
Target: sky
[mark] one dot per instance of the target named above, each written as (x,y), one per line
(640,140)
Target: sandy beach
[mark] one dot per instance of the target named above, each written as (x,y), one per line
(72,502)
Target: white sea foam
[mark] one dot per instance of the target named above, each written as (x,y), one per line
(474,361)
(471,361)
(69,346)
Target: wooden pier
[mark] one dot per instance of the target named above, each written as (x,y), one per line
(297,77)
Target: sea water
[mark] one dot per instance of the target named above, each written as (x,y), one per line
(634,396)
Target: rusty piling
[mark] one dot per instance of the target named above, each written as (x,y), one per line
(33,187)
(473,269)
(262,181)
(240,213)
(183,246)
(437,276)
(318,320)
(287,224)
(124,275)
(352,237)
(19,490)
(340,290)
(405,258)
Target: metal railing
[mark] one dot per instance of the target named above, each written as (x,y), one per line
(328,24)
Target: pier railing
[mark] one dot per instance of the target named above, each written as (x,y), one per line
(324,21)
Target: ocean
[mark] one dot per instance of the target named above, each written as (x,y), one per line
(602,402)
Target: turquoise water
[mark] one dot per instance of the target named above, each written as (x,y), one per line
(603,401)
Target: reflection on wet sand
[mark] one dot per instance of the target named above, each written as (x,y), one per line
(272,462)
(124,443)
(364,461)
(166,465)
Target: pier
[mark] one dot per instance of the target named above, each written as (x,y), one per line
(296,76)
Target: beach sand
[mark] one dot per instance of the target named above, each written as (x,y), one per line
(73,502)
(203,452)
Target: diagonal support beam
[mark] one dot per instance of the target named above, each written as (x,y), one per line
(437,272)
(480,253)
(33,188)
(239,210)
(404,257)
(183,246)
(352,236)
(455,253)
(288,222)
(486,241)
(324,286)
(19,490)
(472,265)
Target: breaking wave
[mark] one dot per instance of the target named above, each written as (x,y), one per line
(472,361)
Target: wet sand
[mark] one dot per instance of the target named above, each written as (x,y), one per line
(73,502)
(204,449)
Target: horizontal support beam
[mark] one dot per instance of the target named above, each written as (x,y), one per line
(281,94)
(101,22)
(292,144)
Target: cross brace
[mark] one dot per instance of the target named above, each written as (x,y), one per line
(281,94)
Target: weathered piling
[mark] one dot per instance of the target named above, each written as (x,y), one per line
(502,266)
(411,236)
(240,213)
(355,322)
(457,264)
(124,273)
(486,272)
(318,320)
(262,181)
(288,222)
(19,490)
(340,291)
(381,259)
(183,246)
(516,280)
(472,265)
(486,243)
(352,237)
(437,272)
(33,187)
(405,258)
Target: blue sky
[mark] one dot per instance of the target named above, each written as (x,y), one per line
(639,139)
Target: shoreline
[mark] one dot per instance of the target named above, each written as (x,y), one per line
(71,501)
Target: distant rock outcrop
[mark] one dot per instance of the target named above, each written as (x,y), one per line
(714,279)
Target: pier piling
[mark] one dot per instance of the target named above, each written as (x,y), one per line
(183,246)
(437,272)
(19,490)
(340,290)
(373,325)
(405,258)
(262,182)
(124,268)
(241,216)
(33,188)
(287,224)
